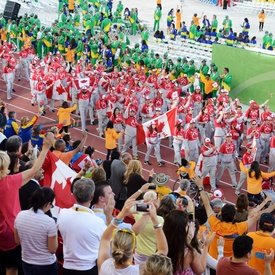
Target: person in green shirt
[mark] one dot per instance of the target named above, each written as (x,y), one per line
(119,8)
(76,19)
(79,49)
(184,67)
(192,30)
(158,62)
(266,40)
(94,51)
(2,20)
(226,80)
(190,73)
(215,76)
(123,39)
(133,21)
(106,24)
(214,23)
(145,34)
(203,72)
(157,17)
(227,24)
(178,67)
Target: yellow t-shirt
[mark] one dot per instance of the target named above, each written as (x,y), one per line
(254,186)
(65,114)
(146,239)
(190,170)
(261,242)
(208,88)
(227,230)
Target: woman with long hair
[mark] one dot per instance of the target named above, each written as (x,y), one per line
(26,127)
(254,181)
(124,241)
(170,19)
(133,178)
(111,135)
(37,234)
(118,120)
(153,142)
(179,232)
(14,163)
(167,204)
(261,17)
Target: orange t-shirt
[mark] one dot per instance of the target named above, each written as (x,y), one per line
(208,88)
(65,157)
(196,20)
(65,114)
(261,242)
(261,17)
(3,34)
(70,55)
(227,230)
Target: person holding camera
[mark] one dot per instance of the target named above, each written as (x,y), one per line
(124,241)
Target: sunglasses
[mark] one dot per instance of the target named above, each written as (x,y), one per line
(52,206)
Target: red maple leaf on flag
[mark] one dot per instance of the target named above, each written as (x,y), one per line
(67,199)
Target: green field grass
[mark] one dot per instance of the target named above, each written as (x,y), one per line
(253,73)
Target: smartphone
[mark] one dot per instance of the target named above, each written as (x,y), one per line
(142,207)
(152,187)
(259,255)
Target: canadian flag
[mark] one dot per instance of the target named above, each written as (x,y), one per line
(84,82)
(165,124)
(59,177)
(80,162)
(254,148)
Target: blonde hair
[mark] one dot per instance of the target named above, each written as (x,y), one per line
(158,264)
(4,164)
(123,245)
(150,196)
(24,120)
(134,166)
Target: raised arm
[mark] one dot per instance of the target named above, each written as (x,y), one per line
(81,144)
(204,196)
(47,144)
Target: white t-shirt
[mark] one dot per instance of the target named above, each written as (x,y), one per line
(81,231)
(34,230)
(108,267)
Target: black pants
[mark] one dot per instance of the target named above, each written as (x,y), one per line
(160,7)
(206,96)
(93,271)
(258,199)
(261,26)
(109,151)
(225,2)
(65,129)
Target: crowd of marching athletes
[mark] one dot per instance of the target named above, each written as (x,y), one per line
(141,88)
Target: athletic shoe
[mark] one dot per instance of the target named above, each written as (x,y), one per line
(161,163)
(237,193)
(234,186)
(147,163)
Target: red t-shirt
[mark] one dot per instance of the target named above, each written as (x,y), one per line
(9,208)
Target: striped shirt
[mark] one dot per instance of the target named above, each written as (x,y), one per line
(34,230)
